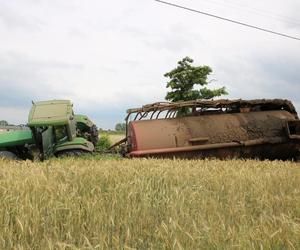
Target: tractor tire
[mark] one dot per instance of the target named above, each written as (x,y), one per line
(71,153)
(8,155)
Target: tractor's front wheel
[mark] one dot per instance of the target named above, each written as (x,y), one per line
(71,153)
(8,155)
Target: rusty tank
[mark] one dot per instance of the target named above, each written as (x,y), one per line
(261,129)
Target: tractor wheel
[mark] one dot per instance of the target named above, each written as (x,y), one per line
(71,153)
(8,155)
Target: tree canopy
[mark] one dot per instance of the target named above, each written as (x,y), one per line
(184,78)
(120,127)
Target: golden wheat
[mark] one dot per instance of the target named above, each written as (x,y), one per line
(149,204)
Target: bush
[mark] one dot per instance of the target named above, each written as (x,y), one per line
(103,143)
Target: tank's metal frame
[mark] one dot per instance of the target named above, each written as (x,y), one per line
(203,107)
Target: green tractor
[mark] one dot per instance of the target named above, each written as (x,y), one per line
(14,143)
(53,130)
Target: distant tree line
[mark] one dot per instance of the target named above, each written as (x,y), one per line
(120,127)
(4,123)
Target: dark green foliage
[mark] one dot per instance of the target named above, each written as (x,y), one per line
(120,127)
(184,78)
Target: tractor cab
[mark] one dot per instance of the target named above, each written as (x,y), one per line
(54,130)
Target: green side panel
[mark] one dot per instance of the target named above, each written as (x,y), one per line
(55,112)
(83,121)
(77,143)
(16,138)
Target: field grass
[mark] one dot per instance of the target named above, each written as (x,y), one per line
(113,137)
(116,138)
(149,204)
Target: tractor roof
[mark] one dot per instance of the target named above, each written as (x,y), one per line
(54,112)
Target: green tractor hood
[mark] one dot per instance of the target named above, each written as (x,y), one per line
(15,138)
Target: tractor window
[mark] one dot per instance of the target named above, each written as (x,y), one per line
(60,133)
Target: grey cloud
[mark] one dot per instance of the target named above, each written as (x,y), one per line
(291,19)
(132,63)
(76,33)
(126,46)
(283,74)
(173,40)
(272,76)
(24,62)
(104,117)
(134,31)
(285,69)
(14,18)
(177,38)
(23,79)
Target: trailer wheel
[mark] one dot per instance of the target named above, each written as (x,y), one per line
(8,155)
(71,153)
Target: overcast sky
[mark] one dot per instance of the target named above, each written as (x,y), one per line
(108,56)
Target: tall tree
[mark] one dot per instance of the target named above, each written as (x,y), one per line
(184,78)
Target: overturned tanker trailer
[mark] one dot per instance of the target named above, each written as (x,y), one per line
(262,129)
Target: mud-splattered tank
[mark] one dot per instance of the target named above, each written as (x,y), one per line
(263,129)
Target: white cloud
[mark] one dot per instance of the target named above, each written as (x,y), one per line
(113,55)
(14,115)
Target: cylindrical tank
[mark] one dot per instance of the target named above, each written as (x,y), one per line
(260,134)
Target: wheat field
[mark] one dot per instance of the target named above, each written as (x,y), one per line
(149,204)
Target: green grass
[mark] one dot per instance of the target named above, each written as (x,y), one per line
(149,204)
